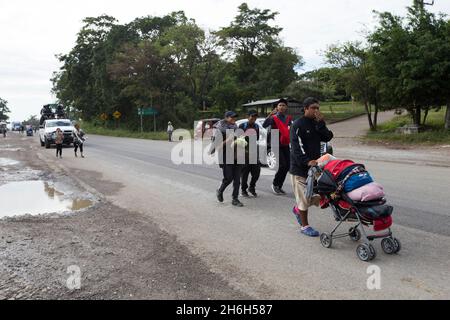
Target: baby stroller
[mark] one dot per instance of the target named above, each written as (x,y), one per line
(332,185)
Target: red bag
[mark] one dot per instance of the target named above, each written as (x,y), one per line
(285,138)
(382,224)
(335,167)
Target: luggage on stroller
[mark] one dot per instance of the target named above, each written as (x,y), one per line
(333,184)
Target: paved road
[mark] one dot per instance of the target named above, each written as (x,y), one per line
(258,249)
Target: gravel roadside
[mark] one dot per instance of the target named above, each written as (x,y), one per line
(118,254)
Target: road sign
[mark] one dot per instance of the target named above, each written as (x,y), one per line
(148,112)
(117,115)
(104,117)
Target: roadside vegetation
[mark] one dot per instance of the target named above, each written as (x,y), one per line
(340,111)
(185,73)
(89,128)
(433,131)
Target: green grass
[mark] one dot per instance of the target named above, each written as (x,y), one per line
(91,129)
(338,111)
(434,131)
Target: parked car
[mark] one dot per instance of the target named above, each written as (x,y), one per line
(47,132)
(271,160)
(204,128)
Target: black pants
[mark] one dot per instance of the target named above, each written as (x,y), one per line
(255,170)
(59,148)
(79,145)
(284,164)
(231,174)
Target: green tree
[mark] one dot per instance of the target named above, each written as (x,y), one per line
(302,89)
(82,82)
(250,34)
(262,65)
(411,59)
(330,82)
(357,72)
(4,110)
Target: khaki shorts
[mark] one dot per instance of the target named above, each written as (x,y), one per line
(299,186)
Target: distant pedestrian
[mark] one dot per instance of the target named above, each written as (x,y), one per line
(59,139)
(4,132)
(170,130)
(78,139)
(279,119)
(252,165)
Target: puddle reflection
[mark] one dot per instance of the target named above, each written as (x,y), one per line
(35,197)
(8,162)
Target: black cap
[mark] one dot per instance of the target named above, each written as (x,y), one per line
(309,101)
(282,100)
(230,114)
(252,113)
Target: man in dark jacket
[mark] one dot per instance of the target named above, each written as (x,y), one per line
(307,133)
(275,120)
(252,164)
(223,144)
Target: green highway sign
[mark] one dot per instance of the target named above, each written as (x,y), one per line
(147,112)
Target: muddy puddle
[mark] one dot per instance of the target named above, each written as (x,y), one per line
(35,198)
(5,162)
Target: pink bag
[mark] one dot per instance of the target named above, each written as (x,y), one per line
(369,192)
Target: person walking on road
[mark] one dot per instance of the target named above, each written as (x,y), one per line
(78,140)
(307,133)
(252,165)
(279,119)
(170,130)
(59,139)
(223,143)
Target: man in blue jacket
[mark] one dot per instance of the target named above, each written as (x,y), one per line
(307,133)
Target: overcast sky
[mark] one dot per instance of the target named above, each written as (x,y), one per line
(33,32)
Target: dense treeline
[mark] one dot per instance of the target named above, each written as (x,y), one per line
(171,64)
(404,64)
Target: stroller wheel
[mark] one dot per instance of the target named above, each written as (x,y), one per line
(372,251)
(354,234)
(326,240)
(388,245)
(398,245)
(366,252)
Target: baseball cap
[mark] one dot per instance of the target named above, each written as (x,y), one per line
(252,113)
(230,114)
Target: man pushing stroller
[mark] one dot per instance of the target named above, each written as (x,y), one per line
(307,133)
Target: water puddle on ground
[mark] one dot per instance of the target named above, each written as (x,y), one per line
(35,197)
(8,162)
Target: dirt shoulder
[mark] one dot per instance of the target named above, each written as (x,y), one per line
(120,254)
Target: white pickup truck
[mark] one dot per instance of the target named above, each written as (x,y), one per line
(47,132)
